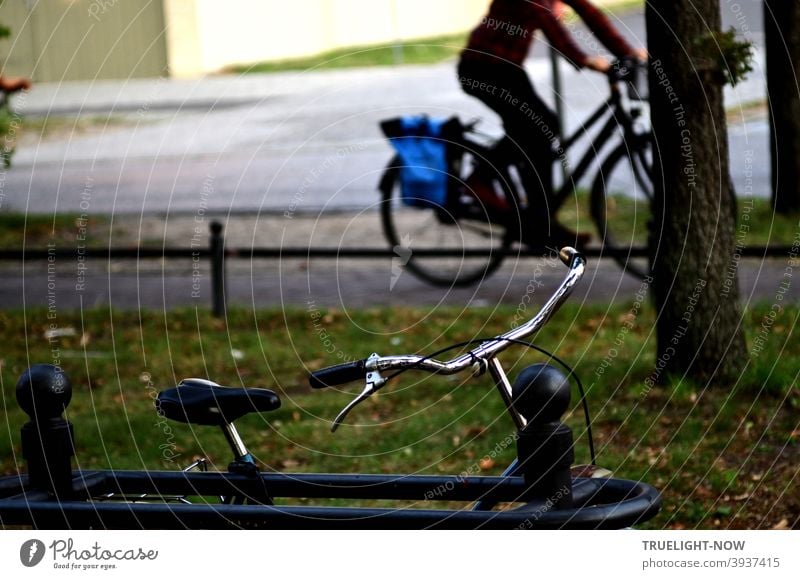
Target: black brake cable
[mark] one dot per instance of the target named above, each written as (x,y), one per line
(567,367)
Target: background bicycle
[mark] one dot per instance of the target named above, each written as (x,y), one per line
(478,220)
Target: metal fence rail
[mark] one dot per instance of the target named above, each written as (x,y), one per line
(217,253)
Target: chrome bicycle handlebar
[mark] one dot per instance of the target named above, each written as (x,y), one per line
(372,367)
(491,348)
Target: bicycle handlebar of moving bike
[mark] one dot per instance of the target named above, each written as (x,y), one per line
(370,369)
(631,71)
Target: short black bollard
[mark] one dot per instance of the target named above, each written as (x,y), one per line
(217,251)
(44,392)
(545,451)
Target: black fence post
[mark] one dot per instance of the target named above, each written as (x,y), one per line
(44,392)
(217,253)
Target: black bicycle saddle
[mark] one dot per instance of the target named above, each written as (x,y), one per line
(205,403)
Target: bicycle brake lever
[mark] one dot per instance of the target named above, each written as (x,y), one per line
(374,382)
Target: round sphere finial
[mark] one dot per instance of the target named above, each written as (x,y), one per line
(541,393)
(43,391)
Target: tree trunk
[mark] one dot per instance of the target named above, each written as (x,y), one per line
(693,240)
(782,40)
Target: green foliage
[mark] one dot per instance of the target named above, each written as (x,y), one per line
(8,122)
(727,55)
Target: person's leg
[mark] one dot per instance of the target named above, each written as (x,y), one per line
(532,127)
(528,122)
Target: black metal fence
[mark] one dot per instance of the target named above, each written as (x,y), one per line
(217,254)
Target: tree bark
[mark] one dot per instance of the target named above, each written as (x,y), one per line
(782,40)
(693,239)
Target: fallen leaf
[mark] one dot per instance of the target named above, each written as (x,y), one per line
(59,333)
(476,431)
(315,364)
(783,524)
(703,492)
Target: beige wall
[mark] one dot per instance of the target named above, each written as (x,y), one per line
(54,40)
(59,40)
(208,35)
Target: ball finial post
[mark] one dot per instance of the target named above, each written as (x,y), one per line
(44,392)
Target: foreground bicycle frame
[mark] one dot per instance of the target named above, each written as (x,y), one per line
(628,502)
(52,495)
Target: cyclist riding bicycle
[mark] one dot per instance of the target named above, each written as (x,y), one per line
(491,69)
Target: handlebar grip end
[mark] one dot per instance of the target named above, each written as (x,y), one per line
(568,254)
(339,374)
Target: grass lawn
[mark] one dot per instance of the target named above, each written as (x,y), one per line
(423,51)
(628,219)
(724,456)
(35,231)
(420,51)
(42,127)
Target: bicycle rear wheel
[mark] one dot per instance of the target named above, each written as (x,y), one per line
(622,204)
(464,225)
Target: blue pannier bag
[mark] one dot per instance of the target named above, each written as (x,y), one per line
(423,159)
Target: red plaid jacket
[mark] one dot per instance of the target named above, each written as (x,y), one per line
(506,32)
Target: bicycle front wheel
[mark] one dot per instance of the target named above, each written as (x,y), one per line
(622,204)
(466,229)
